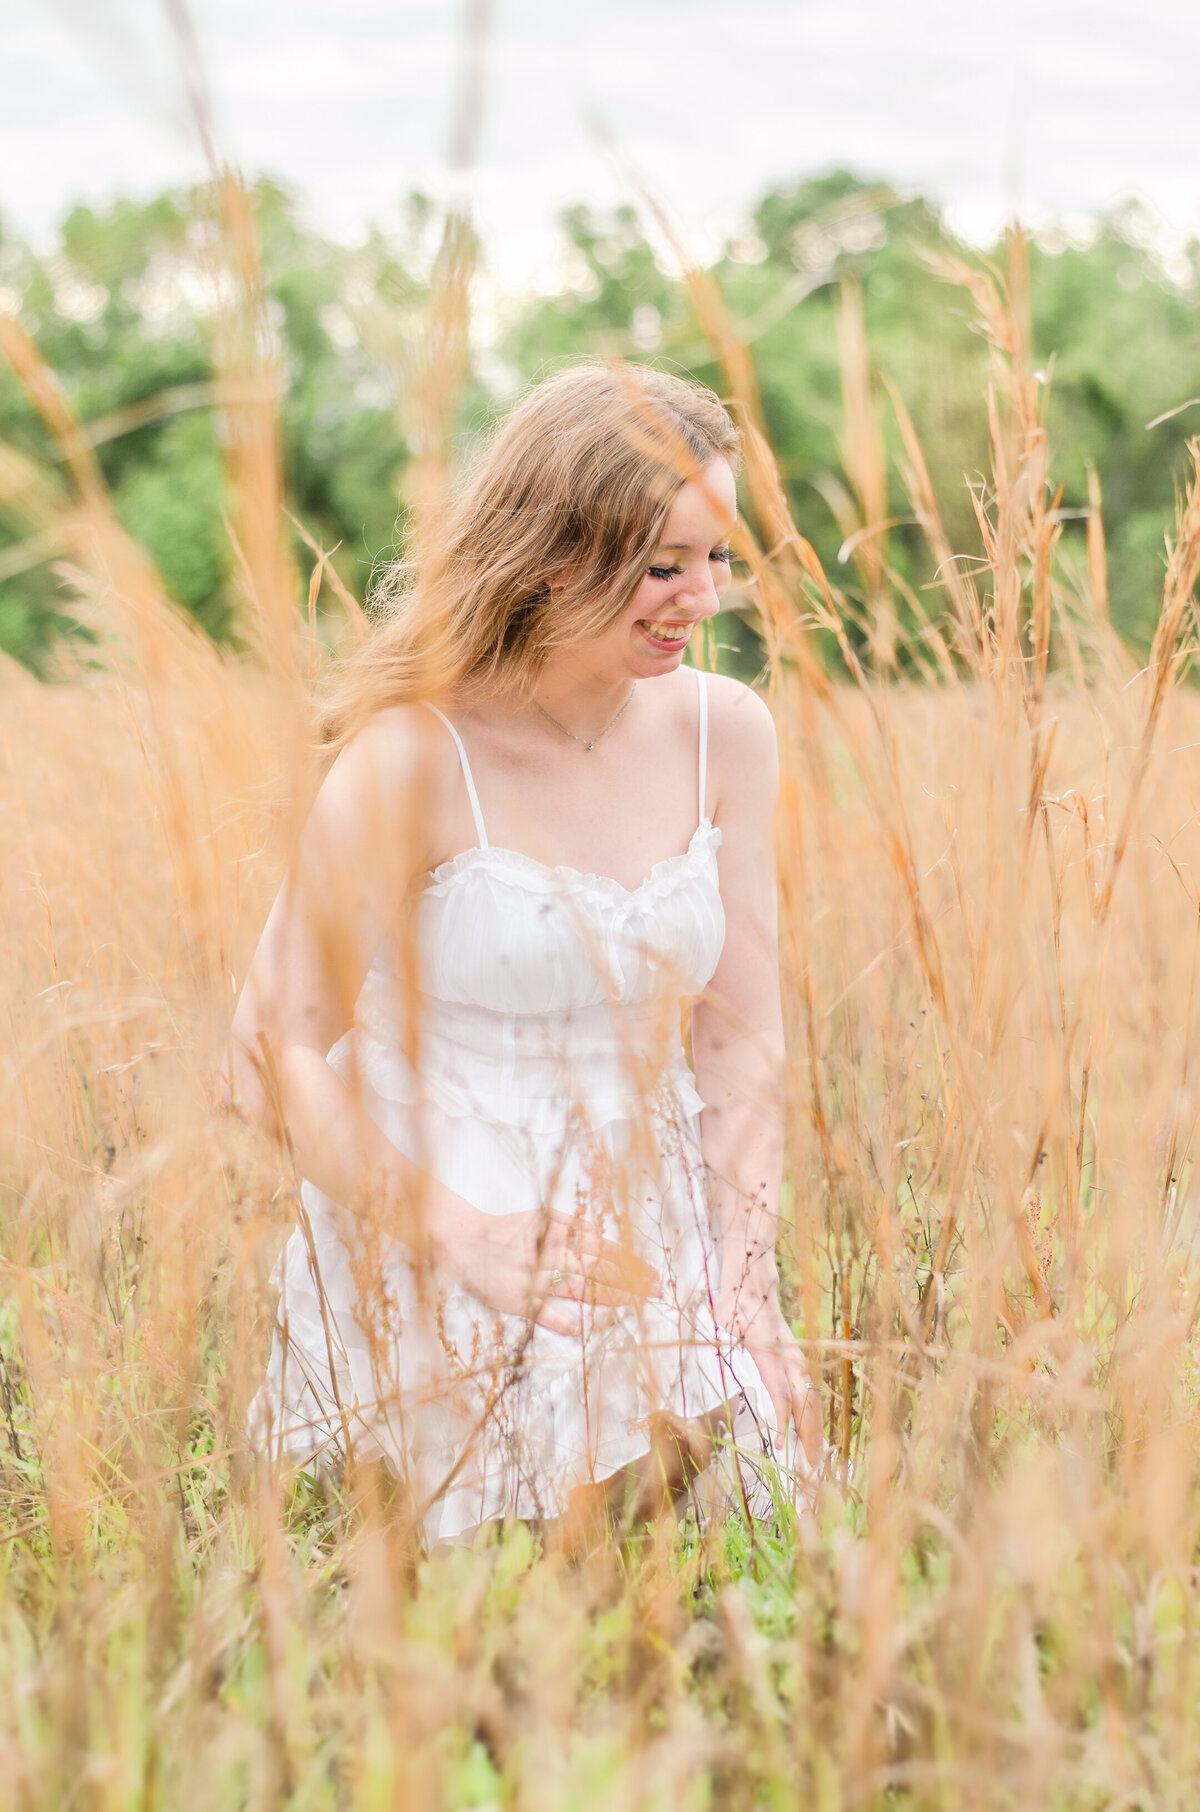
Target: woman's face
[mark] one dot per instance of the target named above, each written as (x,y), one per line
(683,584)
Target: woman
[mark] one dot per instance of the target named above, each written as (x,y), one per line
(535,1265)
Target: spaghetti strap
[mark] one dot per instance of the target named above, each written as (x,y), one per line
(702,684)
(472,795)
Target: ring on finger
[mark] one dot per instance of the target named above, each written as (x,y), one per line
(556,1277)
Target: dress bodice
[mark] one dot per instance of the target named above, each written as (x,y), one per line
(539,982)
(497,929)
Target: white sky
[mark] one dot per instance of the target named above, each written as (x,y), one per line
(1058,106)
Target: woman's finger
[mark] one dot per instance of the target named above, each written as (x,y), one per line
(772,1374)
(575,1239)
(613,1268)
(635,1281)
(571,1234)
(598,1294)
(625,1269)
(596,1285)
(806,1414)
(557,1319)
(788,1387)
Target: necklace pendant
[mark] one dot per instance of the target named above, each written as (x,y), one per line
(584,741)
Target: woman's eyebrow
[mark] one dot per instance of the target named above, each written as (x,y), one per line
(684,547)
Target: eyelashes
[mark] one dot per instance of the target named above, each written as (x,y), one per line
(665,573)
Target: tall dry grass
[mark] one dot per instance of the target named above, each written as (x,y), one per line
(991,919)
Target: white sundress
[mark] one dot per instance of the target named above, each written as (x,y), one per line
(550,1073)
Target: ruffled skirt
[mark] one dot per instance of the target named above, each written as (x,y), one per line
(484,1415)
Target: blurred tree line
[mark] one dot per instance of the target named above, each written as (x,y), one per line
(122,309)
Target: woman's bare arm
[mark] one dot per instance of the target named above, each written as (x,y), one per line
(357,858)
(738,1051)
(366,842)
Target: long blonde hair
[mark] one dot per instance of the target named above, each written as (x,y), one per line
(544,543)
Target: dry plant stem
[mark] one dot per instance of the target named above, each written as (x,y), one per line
(914,471)
(992,1112)
(865,462)
(242,346)
(324,570)
(1183,568)
(440,381)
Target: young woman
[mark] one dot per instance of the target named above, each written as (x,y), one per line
(535,1264)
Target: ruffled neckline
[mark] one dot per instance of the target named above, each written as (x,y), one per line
(556,877)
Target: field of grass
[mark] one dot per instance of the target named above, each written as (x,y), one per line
(990,855)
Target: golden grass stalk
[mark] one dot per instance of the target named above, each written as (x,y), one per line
(989,930)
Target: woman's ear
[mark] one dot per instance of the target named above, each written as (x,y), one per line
(564,577)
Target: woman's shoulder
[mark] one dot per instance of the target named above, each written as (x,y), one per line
(740,720)
(397,745)
(397,768)
(743,752)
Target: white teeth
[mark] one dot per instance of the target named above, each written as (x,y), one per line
(668,632)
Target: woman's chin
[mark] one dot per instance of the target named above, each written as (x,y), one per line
(650,666)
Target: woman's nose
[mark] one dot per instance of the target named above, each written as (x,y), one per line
(707,593)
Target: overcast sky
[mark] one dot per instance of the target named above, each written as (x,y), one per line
(1057,107)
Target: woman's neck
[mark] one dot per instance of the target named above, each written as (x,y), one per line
(583,697)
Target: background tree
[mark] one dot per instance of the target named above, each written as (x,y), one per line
(834,284)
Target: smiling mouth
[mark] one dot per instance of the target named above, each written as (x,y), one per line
(668,635)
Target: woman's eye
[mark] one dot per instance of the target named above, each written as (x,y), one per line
(665,573)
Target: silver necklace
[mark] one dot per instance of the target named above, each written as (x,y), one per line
(589,742)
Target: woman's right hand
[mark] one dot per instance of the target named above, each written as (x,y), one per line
(536,1262)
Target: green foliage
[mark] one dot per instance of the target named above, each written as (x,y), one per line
(173,507)
(124,305)
(1124,337)
(1117,333)
(123,310)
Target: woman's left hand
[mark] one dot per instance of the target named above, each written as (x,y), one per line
(747,1308)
